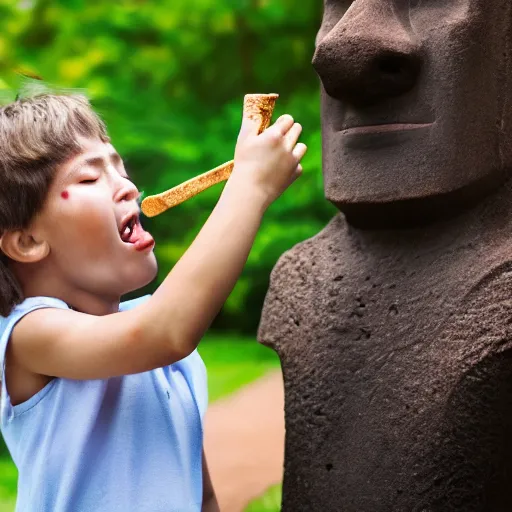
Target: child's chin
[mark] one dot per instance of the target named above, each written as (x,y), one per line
(145,275)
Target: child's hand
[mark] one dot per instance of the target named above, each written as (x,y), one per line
(269,163)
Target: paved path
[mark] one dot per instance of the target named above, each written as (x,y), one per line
(244,442)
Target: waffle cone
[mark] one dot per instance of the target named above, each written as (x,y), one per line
(258,107)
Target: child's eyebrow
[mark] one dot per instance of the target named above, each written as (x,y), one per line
(100,161)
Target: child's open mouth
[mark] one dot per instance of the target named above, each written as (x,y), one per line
(131,232)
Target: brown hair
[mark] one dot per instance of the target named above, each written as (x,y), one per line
(36,135)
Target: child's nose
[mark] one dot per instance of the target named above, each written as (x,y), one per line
(127,191)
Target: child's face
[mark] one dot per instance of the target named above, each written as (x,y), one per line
(90,222)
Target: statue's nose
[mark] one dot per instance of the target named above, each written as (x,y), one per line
(367,57)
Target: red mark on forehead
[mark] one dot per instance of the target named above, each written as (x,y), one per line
(65,194)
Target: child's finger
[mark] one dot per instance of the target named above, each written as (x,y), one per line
(292,136)
(299,151)
(282,125)
(249,127)
(298,173)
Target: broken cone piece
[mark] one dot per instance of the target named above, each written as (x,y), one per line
(258,107)
(154,205)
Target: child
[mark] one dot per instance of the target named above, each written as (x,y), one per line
(102,403)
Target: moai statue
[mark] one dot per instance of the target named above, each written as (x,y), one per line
(394,324)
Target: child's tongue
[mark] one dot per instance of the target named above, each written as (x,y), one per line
(136,232)
(139,237)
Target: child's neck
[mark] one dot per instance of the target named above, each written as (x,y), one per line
(35,283)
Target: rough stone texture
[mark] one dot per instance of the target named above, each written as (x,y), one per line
(394,324)
(444,65)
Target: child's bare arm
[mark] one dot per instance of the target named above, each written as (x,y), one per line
(171,323)
(68,344)
(166,328)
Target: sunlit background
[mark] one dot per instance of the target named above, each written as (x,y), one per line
(168,77)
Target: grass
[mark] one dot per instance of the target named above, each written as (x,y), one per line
(232,362)
(269,502)
(8,479)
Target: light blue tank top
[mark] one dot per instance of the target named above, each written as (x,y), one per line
(125,444)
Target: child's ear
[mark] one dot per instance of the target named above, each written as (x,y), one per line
(23,247)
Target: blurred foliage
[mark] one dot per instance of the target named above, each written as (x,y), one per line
(234,361)
(269,502)
(169,77)
(8,485)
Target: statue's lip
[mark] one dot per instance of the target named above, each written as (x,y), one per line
(383,128)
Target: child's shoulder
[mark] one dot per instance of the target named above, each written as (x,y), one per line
(27,306)
(132,303)
(32,303)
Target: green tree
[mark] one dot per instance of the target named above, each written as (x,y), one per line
(169,78)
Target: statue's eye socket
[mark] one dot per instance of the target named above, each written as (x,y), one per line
(337,7)
(339,3)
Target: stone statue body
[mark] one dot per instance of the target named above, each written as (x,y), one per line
(394,324)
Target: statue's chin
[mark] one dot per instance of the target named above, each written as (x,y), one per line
(366,212)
